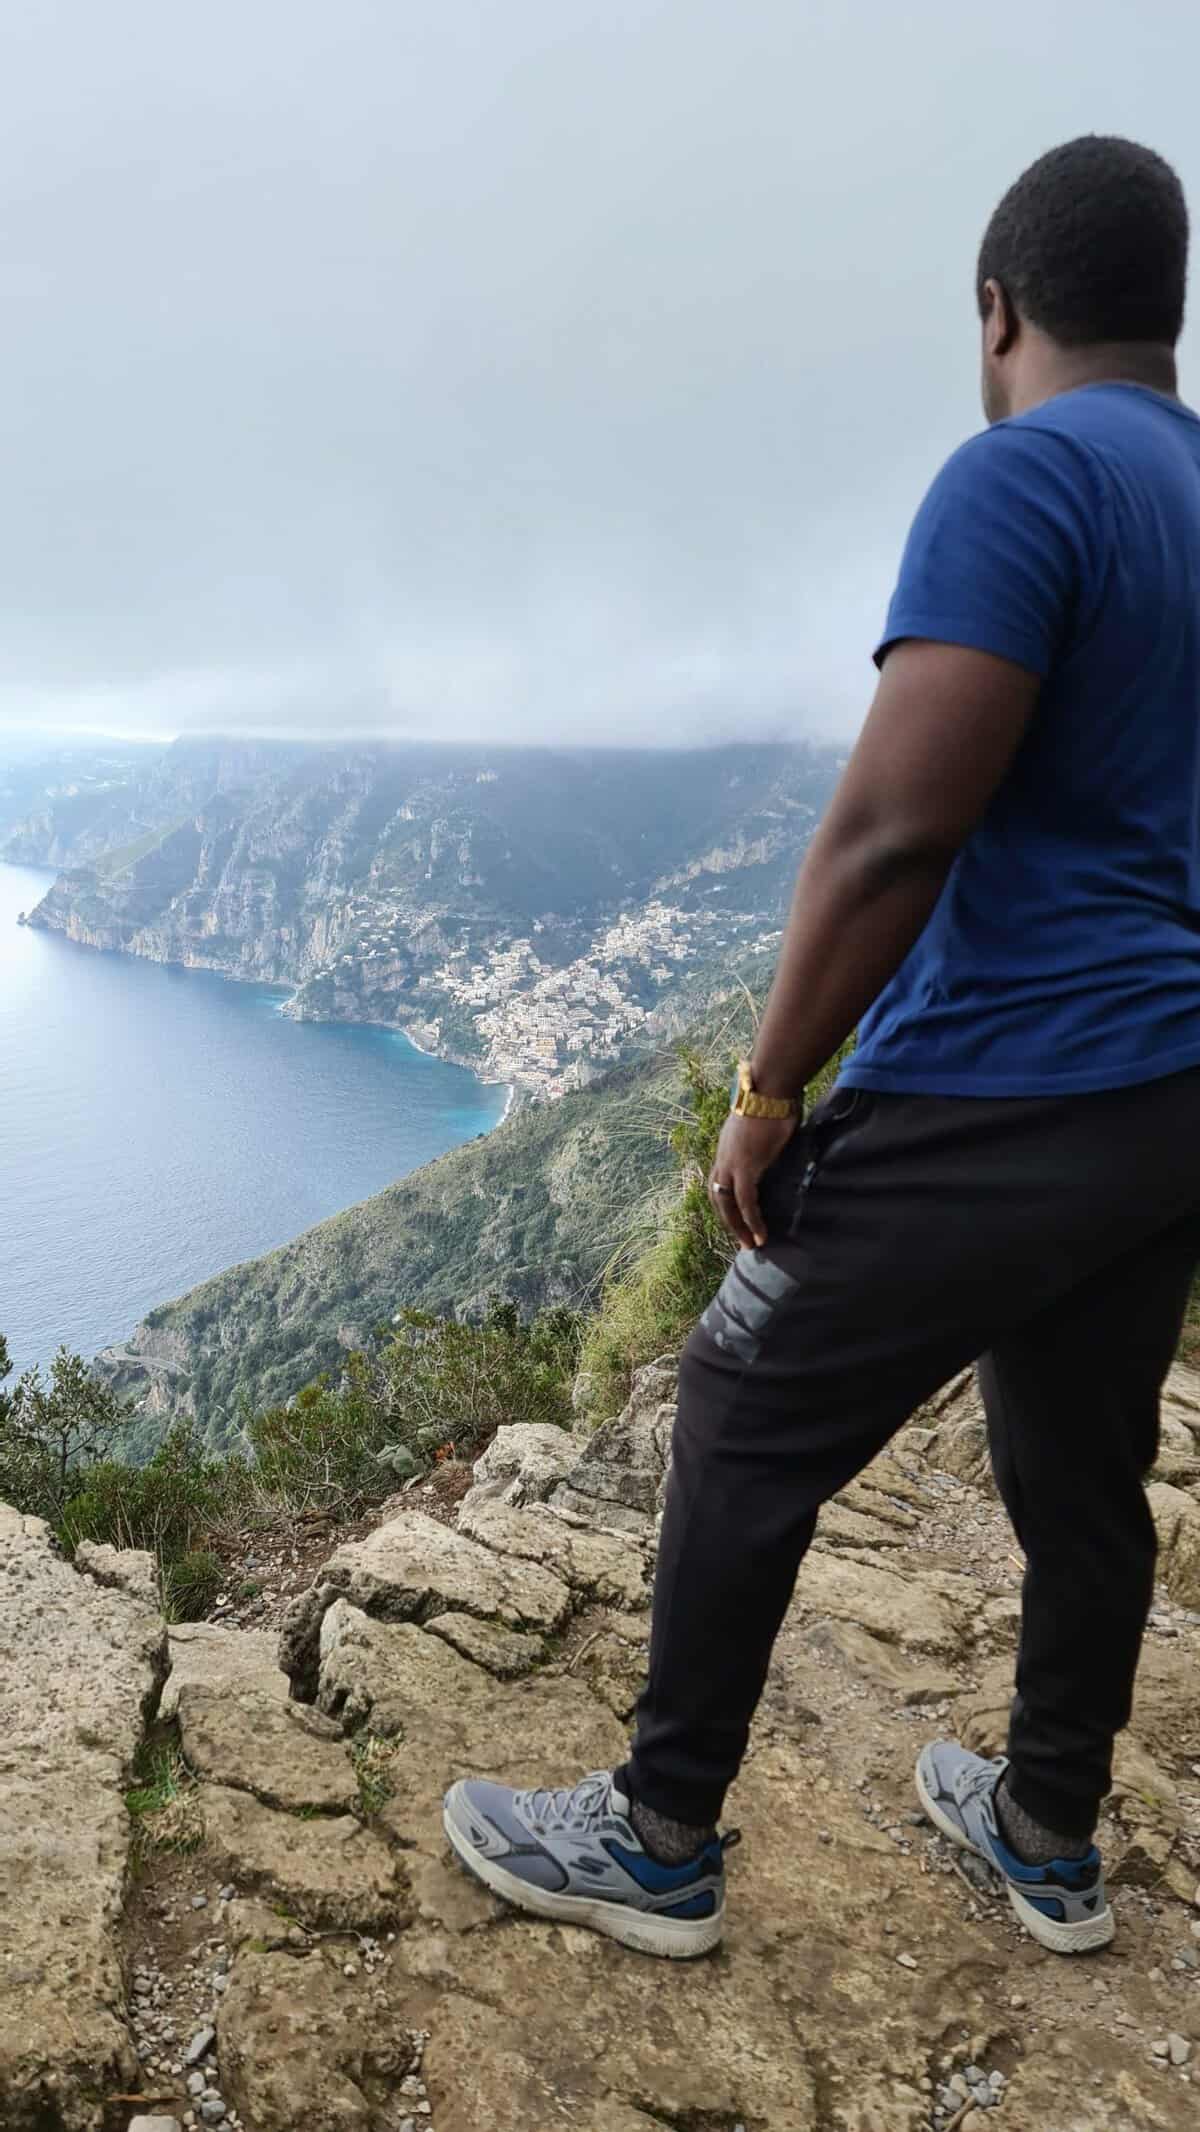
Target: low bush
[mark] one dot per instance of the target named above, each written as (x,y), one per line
(430,1388)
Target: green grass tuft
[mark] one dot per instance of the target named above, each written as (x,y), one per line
(162,1802)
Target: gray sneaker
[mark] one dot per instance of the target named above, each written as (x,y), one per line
(1061,1904)
(574,1855)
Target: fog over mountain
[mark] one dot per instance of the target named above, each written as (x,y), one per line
(566,370)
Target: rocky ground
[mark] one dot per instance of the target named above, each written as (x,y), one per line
(279,1941)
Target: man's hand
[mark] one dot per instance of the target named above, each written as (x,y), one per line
(746,1149)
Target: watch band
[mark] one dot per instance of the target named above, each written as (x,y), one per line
(748,1103)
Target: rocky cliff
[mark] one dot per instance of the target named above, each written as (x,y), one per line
(298,1949)
(434,888)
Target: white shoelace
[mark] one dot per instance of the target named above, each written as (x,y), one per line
(575,1807)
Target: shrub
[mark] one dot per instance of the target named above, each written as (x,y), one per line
(649,1306)
(190,1584)
(168,1505)
(431,1386)
(52,1431)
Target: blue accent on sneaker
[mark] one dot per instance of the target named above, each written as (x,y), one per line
(696,1906)
(1062,1904)
(658,1878)
(574,1855)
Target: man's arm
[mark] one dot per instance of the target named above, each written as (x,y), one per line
(943,728)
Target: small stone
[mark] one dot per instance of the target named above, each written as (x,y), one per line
(1016,2002)
(196,2083)
(349,1969)
(200,2046)
(906,1961)
(1159,2047)
(154,2124)
(1179,2050)
(212,2112)
(227,1893)
(199,1902)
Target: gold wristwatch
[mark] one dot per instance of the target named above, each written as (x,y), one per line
(749,1104)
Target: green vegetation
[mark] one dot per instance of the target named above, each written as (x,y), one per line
(423,1390)
(430,1389)
(419,1386)
(52,1432)
(126,856)
(162,1802)
(371,1757)
(532,1212)
(650,1305)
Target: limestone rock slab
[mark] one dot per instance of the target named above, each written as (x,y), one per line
(601,1565)
(121,1569)
(301,2045)
(500,1651)
(619,1478)
(410,1569)
(1177,1518)
(284,1753)
(916,1612)
(960,1442)
(80,1671)
(841,1526)
(385,1672)
(226,1660)
(529,1457)
(329,1872)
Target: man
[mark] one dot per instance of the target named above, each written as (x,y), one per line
(1005,896)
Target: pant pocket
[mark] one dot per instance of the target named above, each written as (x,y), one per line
(842,1110)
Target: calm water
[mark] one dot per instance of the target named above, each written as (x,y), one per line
(157,1125)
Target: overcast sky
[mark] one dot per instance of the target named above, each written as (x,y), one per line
(522,369)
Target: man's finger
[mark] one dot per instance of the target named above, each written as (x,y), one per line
(745,1187)
(724,1199)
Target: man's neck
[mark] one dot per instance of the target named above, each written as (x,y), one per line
(1053,369)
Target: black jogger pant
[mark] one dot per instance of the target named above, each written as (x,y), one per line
(909,1236)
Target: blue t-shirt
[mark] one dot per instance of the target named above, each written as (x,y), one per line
(1064,951)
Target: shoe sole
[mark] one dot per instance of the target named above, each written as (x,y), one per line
(677,1939)
(1082,1938)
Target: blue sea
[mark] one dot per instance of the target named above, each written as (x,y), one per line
(158,1124)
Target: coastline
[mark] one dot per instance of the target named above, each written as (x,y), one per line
(287,991)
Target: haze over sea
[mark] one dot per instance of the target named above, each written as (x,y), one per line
(158,1124)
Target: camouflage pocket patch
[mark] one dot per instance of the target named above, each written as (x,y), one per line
(745,1305)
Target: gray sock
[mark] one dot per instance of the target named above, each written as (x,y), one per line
(670,1843)
(1033,1844)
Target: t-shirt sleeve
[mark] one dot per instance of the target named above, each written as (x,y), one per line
(1002,549)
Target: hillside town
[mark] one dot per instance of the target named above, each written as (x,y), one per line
(542,1025)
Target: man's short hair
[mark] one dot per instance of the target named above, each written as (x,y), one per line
(1091,244)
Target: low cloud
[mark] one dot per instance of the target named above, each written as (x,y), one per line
(548,372)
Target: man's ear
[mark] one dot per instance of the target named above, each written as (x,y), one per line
(999,318)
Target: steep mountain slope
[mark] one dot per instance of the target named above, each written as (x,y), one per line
(524,909)
(531,1211)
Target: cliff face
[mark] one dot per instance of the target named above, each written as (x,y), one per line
(531,1211)
(521,910)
